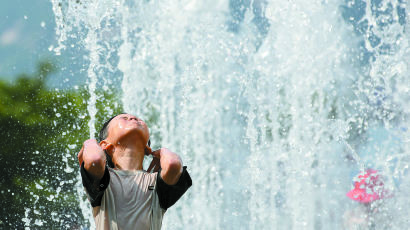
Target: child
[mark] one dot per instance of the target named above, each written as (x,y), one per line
(122,194)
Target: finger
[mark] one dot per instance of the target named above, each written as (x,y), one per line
(156,153)
(91,142)
(81,151)
(80,156)
(157,167)
(157,164)
(151,166)
(147,150)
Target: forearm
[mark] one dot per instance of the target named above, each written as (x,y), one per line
(94,159)
(171,166)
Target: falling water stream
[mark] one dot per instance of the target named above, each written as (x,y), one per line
(272,105)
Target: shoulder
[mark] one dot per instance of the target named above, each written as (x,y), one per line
(169,194)
(95,188)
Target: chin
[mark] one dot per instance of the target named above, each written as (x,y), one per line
(140,133)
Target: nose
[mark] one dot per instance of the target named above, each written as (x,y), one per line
(134,118)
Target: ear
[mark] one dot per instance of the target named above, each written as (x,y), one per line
(107,146)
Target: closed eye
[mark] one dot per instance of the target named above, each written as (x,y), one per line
(129,118)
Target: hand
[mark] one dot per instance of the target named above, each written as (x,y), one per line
(80,156)
(155,163)
(89,145)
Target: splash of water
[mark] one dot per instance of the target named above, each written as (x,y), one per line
(271,104)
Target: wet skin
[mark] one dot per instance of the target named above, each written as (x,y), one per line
(126,143)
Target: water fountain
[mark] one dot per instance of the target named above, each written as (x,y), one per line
(271,104)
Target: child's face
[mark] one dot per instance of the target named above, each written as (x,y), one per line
(127,127)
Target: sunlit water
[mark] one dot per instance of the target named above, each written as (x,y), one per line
(272,105)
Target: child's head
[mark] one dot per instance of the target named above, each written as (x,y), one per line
(122,130)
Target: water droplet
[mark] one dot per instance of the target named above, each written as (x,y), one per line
(39,186)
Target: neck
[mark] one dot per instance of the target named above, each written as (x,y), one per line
(128,158)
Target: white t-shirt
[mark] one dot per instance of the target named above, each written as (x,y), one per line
(125,200)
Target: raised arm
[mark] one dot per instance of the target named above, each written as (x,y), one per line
(171,165)
(94,159)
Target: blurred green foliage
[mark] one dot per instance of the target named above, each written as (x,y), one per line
(41,131)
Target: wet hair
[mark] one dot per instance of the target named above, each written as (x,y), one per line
(103,134)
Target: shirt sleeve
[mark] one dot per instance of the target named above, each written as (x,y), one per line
(168,195)
(95,189)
